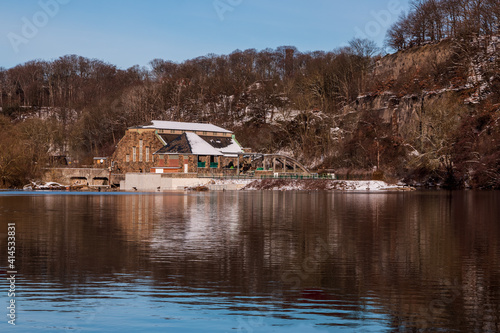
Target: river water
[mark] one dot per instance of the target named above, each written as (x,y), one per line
(253,262)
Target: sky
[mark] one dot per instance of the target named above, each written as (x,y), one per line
(134,32)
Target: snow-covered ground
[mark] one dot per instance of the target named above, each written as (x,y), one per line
(44,186)
(329,185)
(231,181)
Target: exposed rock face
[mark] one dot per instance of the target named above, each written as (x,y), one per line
(392,66)
(405,112)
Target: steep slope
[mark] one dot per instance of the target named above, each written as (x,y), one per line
(423,101)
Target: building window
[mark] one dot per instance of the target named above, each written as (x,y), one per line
(204,133)
(172,131)
(127,158)
(134,154)
(140,150)
(147,154)
(173,161)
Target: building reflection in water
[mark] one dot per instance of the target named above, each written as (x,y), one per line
(426,259)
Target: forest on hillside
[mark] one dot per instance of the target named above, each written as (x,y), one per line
(278,100)
(435,20)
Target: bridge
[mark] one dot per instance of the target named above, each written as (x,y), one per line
(276,163)
(78,176)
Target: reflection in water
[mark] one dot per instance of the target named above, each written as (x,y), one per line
(229,260)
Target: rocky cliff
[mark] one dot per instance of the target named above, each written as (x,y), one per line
(427,98)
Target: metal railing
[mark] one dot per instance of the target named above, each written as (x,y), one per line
(251,175)
(257,176)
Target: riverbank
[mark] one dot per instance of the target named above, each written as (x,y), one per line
(275,184)
(323,184)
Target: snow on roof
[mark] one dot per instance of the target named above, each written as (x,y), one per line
(177,125)
(233,149)
(192,143)
(200,146)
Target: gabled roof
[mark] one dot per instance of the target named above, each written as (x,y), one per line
(200,146)
(177,125)
(232,149)
(179,145)
(216,141)
(189,143)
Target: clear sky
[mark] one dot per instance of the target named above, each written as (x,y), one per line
(133,32)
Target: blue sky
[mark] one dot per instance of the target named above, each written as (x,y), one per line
(133,32)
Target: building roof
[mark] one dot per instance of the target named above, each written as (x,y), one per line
(177,125)
(179,145)
(189,143)
(233,149)
(200,146)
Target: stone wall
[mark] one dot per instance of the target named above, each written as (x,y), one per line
(125,147)
(226,161)
(193,163)
(80,176)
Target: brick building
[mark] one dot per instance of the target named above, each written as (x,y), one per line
(176,147)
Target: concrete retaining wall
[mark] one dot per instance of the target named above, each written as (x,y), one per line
(150,182)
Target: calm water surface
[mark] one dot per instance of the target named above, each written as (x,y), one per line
(254,262)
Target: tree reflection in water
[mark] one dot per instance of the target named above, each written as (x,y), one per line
(424,260)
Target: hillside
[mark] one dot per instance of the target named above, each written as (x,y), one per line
(428,114)
(440,102)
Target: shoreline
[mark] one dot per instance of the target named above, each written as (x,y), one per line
(324,185)
(272,184)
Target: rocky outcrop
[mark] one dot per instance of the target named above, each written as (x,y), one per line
(392,66)
(403,114)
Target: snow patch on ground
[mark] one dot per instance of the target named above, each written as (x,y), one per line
(231,181)
(44,186)
(323,184)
